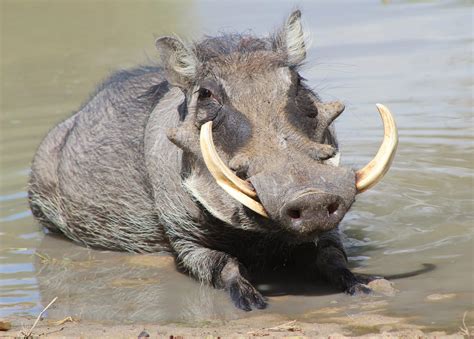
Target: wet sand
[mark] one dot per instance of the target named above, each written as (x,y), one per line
(257,326)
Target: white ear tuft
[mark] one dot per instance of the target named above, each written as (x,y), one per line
(185,63)
(180,63)
(295,39)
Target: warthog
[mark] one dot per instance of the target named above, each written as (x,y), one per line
(222,156)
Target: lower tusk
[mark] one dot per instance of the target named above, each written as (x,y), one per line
(244,199)
(374,171)
(239,189)
(216,166)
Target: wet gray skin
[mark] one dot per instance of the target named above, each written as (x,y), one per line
(108,177)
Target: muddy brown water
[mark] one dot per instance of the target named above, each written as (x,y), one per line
(413,56)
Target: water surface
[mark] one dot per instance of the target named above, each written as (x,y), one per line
(415,57)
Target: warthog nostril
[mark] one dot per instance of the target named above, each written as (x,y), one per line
(312,211)
(294,214)
(332,208)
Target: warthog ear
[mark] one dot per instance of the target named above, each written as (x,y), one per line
(179,62)
(291,39)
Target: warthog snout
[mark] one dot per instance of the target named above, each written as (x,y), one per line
(305,201)
(312,211)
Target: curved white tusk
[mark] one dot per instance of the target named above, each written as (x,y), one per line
(216,166)
(244,199)
(374,171)
(239,189)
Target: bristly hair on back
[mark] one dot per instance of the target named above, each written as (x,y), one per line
(183,62)
(290,41)
(225,44)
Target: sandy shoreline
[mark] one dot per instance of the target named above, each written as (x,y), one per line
(372,325)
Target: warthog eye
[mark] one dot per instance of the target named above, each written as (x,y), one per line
(208,106)
(204,93)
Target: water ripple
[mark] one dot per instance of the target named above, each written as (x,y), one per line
(429,246)
(16,216)
(13,196)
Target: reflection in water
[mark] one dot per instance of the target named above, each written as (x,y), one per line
(123,287)
(407,54)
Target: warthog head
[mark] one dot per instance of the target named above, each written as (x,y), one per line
(251,124)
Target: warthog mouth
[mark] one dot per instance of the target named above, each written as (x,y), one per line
(243,191)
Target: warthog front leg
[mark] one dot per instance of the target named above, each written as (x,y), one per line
(222,271)
(331,263)
(327,260)
(242,292)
